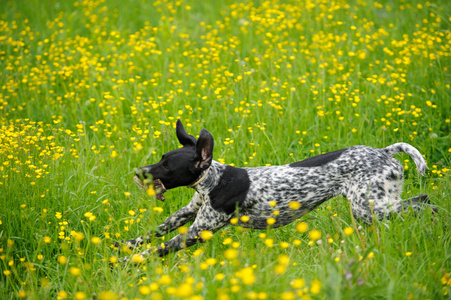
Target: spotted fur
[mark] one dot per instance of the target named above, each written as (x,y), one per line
(369,177)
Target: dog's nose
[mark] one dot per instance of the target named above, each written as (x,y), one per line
(140,173)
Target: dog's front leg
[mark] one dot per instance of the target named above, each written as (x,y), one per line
(207,219)
(179,218)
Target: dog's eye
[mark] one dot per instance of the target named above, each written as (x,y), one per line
(165,166)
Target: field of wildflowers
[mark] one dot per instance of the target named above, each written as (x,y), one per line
(91,89)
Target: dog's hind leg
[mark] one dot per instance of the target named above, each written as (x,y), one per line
(389,185)
(374,195)
(179,218)
(357,193)
(418,204)
(362,207)
(381,199)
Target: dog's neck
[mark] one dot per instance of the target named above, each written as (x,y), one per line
(202,177)
(209,178)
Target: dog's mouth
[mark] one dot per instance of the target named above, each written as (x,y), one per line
(158,187)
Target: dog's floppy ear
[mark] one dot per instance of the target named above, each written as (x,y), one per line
(184,138)
(204,150)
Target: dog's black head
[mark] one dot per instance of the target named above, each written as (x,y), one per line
(182,167)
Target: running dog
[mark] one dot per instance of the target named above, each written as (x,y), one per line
(369,177)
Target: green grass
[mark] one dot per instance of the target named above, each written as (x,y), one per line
(92,89)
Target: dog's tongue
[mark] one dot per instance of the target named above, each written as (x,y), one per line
(157,185)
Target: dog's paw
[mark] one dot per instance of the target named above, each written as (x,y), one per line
(132,260)
(424,198)
(434,209)
(123,246)
(120,262)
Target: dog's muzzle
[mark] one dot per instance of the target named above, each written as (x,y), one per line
(158,186)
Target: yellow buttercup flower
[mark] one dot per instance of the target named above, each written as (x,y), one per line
(297,283)
(79,236)
(164,280)
(75,271)
(183,230)
(247,275)
(184,290)
(315,286)
(270,221)
(294,205)
(22,294)
(108,295)
(150,191)
(283,259)
(348,230)
(231,254)
(302,227)
(206,235)
(62,259)
(314,234)
(138,258)
(144,289)
(198,252)
(269,243)
(62,294)
(227,241)
(219,276)
(244,219)
(280,269)
(80,296)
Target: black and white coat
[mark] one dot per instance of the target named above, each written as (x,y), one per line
(369,177)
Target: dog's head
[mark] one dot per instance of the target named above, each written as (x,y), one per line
(183,166)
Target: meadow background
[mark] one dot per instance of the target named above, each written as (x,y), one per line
(92,89)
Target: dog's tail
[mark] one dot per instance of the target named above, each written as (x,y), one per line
(409,149)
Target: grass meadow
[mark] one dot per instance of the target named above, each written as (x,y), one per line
(92,89)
